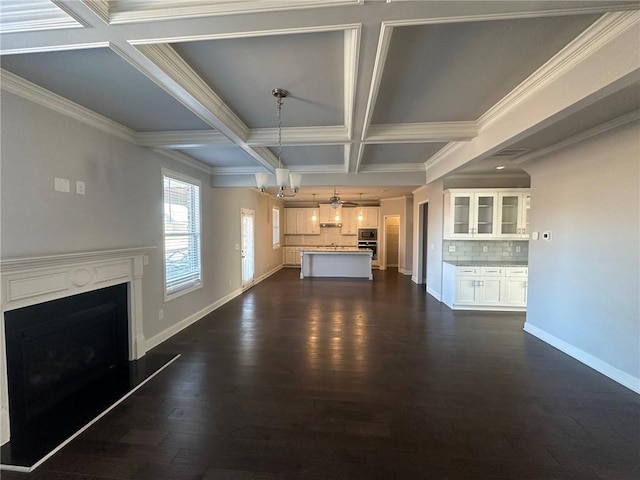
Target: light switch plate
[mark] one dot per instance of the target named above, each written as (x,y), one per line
(61,185)
(535,235)
(452,248)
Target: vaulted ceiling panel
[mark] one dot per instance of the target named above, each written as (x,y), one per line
(221,156)
(457,71)
(243,71)
(101,81)
(399,153)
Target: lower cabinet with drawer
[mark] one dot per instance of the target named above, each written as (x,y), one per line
(484,287)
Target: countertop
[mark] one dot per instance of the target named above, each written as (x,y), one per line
(334,249)
(486,263)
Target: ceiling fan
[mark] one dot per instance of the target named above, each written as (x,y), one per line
(335,201)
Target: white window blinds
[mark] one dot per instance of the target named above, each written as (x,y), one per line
(183,268)
(275,217)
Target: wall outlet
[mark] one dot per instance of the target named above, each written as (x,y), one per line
(79,187)
(485,249)
(61,185)
(535,235)
(452,248)
(518,249)
(160,314)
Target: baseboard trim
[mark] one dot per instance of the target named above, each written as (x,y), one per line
(191,319)
(404,271)
(268,274)
(615,374)
(434,294)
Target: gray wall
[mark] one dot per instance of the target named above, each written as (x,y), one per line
(584,285)
(122,206)
(432,194)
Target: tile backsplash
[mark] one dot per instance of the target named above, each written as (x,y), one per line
(496,250)
(328,236)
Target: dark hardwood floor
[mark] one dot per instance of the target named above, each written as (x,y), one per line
(339,379)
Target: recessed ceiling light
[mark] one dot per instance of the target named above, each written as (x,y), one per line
(500,167)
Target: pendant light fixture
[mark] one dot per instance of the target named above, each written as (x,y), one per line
(360,216)
(283,176)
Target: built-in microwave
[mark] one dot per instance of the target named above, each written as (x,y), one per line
(367,234)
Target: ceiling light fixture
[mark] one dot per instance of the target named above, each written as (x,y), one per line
(335,200)
(284,178)
(500,167)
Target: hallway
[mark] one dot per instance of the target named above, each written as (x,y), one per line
(333,379)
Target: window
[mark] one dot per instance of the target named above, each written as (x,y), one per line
(182,264)
(275,223)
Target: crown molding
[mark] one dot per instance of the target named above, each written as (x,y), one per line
(182,139)
(580,137)
(594,37)
(235,170)
(562,12)
(393,168)
(347,157)
(29,91)
(167,9)
(52,17)
(199,98)
(351,61)
(439,155)
(99,7)
(184,159)
(327,135)
(488,176)
(304,169)
(421,132)
(358,158)
(382,50)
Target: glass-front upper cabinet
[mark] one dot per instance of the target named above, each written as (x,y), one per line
(514,215)
(470,215)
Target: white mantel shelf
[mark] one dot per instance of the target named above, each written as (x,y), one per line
(353,263)
(33,280)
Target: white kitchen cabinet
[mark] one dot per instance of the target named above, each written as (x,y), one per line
(329,214)
(291,255)
(470,214)
(486,214)
(513,214)
(484,288)
(369,217)
(516,283)
(349,221)
(300,221)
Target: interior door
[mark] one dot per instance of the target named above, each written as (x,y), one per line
(248,248)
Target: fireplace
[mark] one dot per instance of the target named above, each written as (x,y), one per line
(58,350)
(72,332)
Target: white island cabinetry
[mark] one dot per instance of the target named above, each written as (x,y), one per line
(351,263)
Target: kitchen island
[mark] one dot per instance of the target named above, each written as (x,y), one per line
(345,262)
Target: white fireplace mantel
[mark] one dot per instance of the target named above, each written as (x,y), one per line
(29,281)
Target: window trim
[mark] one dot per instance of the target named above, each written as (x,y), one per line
(279,244)
(166,173)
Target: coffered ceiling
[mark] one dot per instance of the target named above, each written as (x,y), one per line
(384,96)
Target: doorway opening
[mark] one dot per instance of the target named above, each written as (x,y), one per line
(248,248)
(423,243)
(392,241)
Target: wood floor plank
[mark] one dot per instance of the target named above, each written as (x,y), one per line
(349,379)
